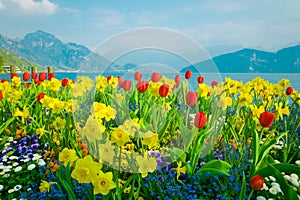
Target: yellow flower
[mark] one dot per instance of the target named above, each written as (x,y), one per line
(103,183)
(179,169)
(146,164)
(107,152)
(203,90)
(101,83)
(284,83)
(256,111)
(40,131)
(224,102)
(245,99)
(67,155)
(150,139)
(131,126)
(166,106)
(280,110)
(113,82)
(23,114)
(54,85)
(16,81)
(93,129)
(45,186)
(86,169)
(61,123)
(119,136)
(78,90)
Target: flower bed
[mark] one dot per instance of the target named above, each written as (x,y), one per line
(148,139)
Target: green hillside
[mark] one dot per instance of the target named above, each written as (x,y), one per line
(9,58)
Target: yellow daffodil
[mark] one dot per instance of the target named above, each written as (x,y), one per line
(103,183)
(179,169)
(40,131)
(203,90)
(245,99)
(86,169)
(45,186)
(23,114)
(93,129)
(67,155)
(113,82)
(16,81)
(107,152)
(101,83)
(119,136)
(280,110)
(146,164)
(150,139)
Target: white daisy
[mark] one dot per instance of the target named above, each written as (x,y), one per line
(31,167)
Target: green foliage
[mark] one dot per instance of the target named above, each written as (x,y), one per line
(9,58)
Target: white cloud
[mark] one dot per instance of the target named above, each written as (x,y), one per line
(41,7)
(2,6)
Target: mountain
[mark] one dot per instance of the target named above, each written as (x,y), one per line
(286,60)
(8,58)
(45,49)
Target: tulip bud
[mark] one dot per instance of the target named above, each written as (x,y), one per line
(177,80)
(188,74)
(108,78)
(214,83)
(26,76)
(191,98)
(200,120)
(50,76)
(127,85)
(33,75)
(200,79)
(257,182)
(1,96)
(13,75)
(289,91)
(40,97)
(142,86)
(42,76)
(164,90)
(64,82)
(266,119)
(155,77)
(138,76)
(4,80)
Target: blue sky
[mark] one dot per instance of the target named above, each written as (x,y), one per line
(266,24)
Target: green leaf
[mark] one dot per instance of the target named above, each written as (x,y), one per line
(177,153)
(243,188)
(220,165)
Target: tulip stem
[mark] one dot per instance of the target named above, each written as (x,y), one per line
(250,194)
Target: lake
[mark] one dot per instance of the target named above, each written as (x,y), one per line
(244,77)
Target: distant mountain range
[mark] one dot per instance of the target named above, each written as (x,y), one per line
(286,60)
(47,50)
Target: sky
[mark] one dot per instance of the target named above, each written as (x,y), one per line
(264,24)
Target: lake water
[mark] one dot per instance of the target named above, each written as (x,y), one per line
(244,77)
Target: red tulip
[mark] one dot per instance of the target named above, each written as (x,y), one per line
(138,76)
(40,97)
(191,98)
(289,91)
(33,75)
(266,119)
(177,80)
(26,76)
(13,75)
(155,77)
(108,78)
(37,81)
(214,83)
(50,76)
(257,182)
(142,86)
(64,82)
(42,76)
(4,80)
(119,79)
(188,74)
(1,96)
(27,85)
(200,79)
(127,85)
(164,90)
(200,120)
